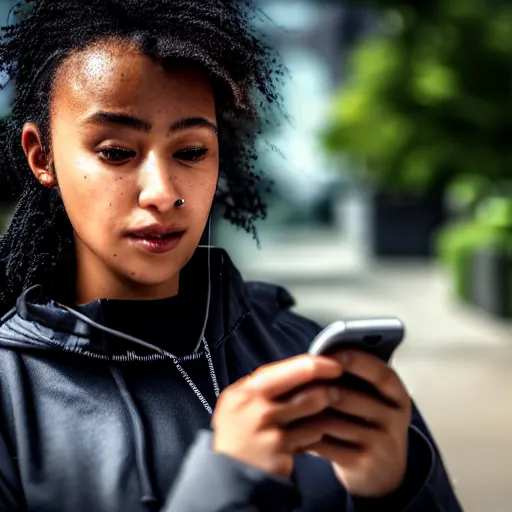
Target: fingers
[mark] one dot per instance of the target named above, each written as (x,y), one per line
(359,405)
(310,432)
(377,373)
(278,379)
(307,402)
(327,449)
(314,400)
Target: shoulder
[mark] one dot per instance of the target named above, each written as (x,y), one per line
(272,309)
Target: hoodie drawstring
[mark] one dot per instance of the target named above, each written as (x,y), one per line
(148,498)
(7,316)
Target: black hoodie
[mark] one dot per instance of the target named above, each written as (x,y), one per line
(92,424)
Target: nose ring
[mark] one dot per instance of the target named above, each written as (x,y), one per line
(179,203)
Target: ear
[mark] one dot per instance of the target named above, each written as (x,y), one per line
(37,159)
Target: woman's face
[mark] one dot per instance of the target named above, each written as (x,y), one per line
(130,139)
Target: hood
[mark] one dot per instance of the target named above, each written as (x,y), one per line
(39,323)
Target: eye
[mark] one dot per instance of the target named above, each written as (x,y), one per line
(191,154)
(116,154)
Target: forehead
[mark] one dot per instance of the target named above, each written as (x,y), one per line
(116,75)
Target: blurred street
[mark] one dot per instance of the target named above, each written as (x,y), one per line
(455,361)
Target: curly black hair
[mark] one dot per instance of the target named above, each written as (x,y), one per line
(217,35)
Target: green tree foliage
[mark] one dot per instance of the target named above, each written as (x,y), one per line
(429,94)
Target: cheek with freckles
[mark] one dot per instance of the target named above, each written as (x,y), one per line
(91,194)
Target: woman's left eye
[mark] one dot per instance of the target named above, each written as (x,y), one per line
(191,154)
(115,155)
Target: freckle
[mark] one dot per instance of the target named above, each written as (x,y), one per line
(115,255)
(110,205)
(85,177)
(132,274)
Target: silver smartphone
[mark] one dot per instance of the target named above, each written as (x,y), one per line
(379,337)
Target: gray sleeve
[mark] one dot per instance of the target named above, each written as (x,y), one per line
(211,482)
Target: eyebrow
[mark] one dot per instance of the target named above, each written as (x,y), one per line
(127,121)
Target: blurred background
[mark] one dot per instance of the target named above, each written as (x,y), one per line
(393,196)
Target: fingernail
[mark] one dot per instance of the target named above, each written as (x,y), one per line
(334,394)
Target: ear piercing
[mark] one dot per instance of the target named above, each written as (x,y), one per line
(46,179)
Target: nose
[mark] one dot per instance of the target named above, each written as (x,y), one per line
(157,187)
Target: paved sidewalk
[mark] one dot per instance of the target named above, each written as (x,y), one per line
(456,362)
(332,281)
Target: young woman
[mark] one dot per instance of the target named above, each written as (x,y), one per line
(120,335)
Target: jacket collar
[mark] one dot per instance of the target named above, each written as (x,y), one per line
(229,302)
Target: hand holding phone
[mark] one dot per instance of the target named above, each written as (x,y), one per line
(378,337)
(368,445)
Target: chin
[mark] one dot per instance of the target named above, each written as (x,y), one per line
(158,276)
(156,271)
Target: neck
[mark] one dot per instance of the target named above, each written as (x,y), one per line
(120,290)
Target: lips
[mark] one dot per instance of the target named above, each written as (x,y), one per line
(157,239)
(157,232)
(151,236)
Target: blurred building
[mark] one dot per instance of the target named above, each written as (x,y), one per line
(5,100)
(5,94)
(313,38)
